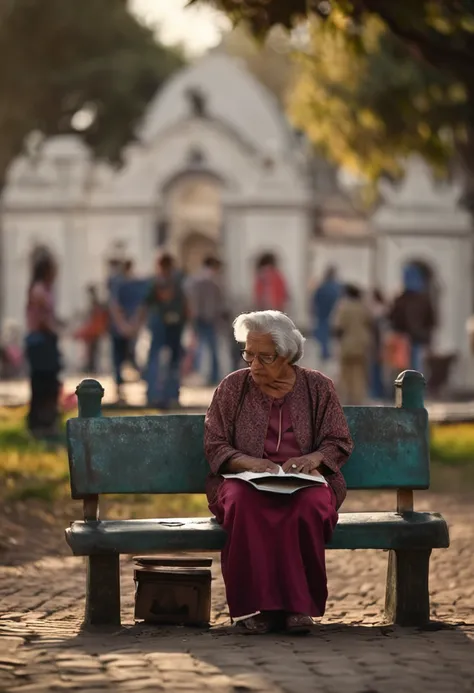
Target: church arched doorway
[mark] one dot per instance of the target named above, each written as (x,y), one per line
(194,249)
(191,222)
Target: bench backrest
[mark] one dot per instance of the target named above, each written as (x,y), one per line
(164,454)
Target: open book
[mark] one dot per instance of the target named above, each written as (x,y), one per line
(279,483)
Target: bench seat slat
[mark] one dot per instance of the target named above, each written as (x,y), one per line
(366,530)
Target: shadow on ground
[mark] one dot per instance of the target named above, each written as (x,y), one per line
(339,657)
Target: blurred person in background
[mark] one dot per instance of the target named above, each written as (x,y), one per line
(235,352)
(119,330)
(270,288)
(129,295)
(206,302)
(324,301)
(93,330)
(234,305)
(115,274)
(379,312)
(166,308)
(353,327)
(126,297)
(42,350)
(412,316)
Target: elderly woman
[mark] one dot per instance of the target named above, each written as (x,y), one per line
(275,413)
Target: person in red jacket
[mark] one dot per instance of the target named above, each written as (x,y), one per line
(270,289)
(93,330)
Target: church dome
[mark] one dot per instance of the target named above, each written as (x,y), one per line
(223,91)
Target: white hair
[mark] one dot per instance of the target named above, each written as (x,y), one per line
(288,340)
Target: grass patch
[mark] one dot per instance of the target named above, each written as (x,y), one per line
(452,443)
(47,490)
(22,457)
(31,470)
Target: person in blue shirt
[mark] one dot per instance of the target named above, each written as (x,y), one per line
(165,307)
(131,294)
(126,296)
(324,301)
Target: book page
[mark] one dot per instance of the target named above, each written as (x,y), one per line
(278,479)
(283,485)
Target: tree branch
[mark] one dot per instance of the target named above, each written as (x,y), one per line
(441,51)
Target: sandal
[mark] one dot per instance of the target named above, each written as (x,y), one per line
(255,625)
(299,624)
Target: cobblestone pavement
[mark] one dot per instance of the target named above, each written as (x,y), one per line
(42,646)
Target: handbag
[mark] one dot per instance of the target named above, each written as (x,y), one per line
(396,351)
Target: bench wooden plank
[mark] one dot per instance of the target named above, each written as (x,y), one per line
(164,454)
(381,530)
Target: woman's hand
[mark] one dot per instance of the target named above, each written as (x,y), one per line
(245,463)
(303,465)
(260,466)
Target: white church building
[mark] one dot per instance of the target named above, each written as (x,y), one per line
(219,170)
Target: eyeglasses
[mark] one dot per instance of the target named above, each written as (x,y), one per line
(264,359)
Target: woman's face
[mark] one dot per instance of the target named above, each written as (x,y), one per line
(269,367)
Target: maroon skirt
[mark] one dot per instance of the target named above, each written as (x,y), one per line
(274,557)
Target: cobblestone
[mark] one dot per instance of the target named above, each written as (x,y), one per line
(44,648)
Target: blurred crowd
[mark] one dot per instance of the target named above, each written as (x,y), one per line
(374,338)
(186,316)
(189,316)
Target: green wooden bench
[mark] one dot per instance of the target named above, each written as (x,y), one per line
(164,454)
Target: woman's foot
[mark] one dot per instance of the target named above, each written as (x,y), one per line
(260,624)
(299,624)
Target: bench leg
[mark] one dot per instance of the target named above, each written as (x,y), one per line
(103,590)
(407,599)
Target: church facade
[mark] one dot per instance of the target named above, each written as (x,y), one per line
(218,170)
